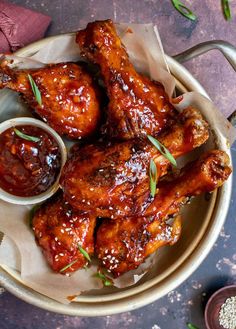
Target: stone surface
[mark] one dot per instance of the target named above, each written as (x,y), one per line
(186,303)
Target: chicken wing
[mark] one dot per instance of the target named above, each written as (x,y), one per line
(112,180)
(70,98)
(138,106)
(122,245)
(61,231)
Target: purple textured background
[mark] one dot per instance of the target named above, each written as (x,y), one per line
(186,303)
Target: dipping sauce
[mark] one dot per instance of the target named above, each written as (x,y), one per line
(28,167)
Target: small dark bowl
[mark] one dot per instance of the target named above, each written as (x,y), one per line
(214,304)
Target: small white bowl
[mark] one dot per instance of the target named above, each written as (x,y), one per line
(45,195)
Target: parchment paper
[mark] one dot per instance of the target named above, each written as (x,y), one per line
(18,249)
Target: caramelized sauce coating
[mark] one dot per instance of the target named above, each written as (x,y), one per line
(70,98)
(206,174)
(112,180)
(28,168)
(60,230)
(123,244)
(138,106)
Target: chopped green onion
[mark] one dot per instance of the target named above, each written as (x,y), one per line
(226,9)
(27,137)
(183,10)
(84,253)
(68,266)
(162,149)
(104,279)
(153,177)
(191,326)
(35,90)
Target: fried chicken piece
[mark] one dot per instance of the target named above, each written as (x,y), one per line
(206,174)
(122,245)
(70,98)
(112,180)
(138,106)
(60,231)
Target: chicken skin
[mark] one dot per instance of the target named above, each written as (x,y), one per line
(138,106)
(61,231)
(122,245)
(112,180)
(70,99)
(206,174)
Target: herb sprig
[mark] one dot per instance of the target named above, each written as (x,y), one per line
(68,266)
(84,253)
(186,12)
(26,137)
(35,90)
(107,282)
(153,178)
(226,9)
(183,10)
(162,149)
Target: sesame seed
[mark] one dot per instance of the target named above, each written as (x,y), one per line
(227,314)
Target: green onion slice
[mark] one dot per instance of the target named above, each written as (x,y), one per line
(226,9)
(35,90)
(26,137)
(68,266)
(162,149)
(107,282)
(84,253)
(153,177)
(183,10)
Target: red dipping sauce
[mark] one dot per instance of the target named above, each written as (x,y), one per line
(28,168)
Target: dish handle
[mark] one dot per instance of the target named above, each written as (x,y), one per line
(226,48)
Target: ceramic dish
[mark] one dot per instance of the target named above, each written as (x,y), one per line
(175,264)
(214,305)
(43,196)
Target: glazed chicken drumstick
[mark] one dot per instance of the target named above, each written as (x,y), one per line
(112,180)
(70,99)
(138,106)
(61,231)
(122,245)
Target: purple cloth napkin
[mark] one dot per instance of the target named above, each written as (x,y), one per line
(20,26)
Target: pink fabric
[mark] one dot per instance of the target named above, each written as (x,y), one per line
(20,26)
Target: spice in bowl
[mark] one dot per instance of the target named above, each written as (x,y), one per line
(220,312)
(227,314)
